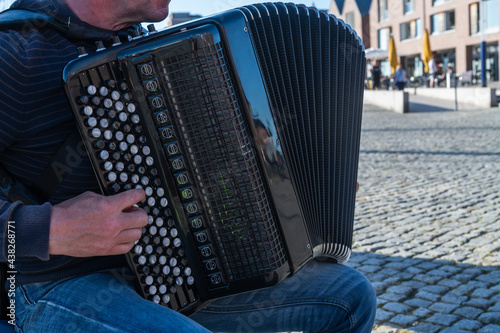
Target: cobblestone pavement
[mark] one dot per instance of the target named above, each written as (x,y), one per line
(427,229)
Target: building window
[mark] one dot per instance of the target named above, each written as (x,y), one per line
(383,12)
(439,2)
(349,19)
(411,29)
(442,22)
(384,35)
(408,6)
(491,21)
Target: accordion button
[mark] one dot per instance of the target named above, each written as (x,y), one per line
(190,280)
(138,249)
(196,222)
(91,122)
(162,289)
(152,259)
(91,90)
(145,69)
(100,112)
(146,150)
(104,123)
(210,265)
(84,99)
(153,230)
(134,149)
(123,146)
(163,202)
(165,299)
(156,299)
(88,110)
(95,100)
(149,280)
(108,103)
(127,97)
(173,232)
(134,178)
(108,135)
(149,161)
(115,95)
(166,242)
(216,279)
(119,107)
(103,91)
(173,262)
(119,166)
(141,260)
(179,281)
(138,159)
(122,116)
(99,144)
(111,83)
(206,251)
(104,155)
(162,260)
(131,108)
(123,177)
(96,133)
(108,166)
(176,271)
(124,86)
(135,120)
(177,242)
(163,232)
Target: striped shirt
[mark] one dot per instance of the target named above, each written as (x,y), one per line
(35,119)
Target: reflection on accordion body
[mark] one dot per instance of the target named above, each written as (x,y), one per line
(243,129)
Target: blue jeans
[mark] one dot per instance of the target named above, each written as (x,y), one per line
(321,297)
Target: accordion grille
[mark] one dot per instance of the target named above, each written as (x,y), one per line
(209,118)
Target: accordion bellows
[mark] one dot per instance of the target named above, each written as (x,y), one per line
(243,128)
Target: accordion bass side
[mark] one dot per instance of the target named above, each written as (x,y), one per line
(243,128)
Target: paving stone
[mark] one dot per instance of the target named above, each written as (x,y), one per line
(466,324)
(479,303)
(392,297)
(397,307)
(443,319)
(483,293)
(450,298)
(404,320)
(427,296)
(422,312)
(489,329)
(443,307)
(453,330)
(418,302)
(468,312)
(489,318)
(382,315)
(425,328)
(441,290)
(400,290)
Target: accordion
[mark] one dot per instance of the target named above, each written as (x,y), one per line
(243,129)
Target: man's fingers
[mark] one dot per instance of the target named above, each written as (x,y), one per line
(127,199)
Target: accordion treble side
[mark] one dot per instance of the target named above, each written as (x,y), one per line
(243,128)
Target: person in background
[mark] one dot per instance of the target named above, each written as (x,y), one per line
(72,274)
(376,75)
(433,71)
(400,78)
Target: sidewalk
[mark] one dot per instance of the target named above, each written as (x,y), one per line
(427,229)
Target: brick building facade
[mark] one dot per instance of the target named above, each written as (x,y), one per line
(454,27)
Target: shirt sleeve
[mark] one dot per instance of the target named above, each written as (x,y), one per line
(30,225)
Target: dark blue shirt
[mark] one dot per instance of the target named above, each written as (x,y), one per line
(35,119)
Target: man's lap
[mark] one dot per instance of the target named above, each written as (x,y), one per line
(319,297)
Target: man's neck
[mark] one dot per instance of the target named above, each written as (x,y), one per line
(102,14)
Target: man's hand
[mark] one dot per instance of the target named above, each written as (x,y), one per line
(95,225)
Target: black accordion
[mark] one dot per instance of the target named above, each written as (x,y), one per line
(243,129)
